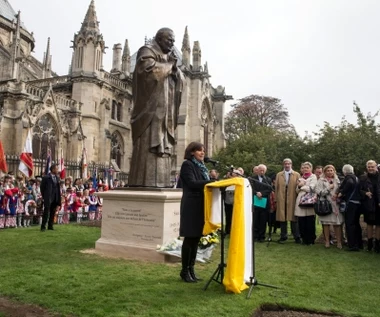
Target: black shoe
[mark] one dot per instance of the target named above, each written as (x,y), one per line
(50,228)
(370,245)
(192,274)
(186,277)
(298,240)
(43,229)
(355,249)
(282,240)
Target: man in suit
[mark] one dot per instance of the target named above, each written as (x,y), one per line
(262,188)
(285,185)
(51,195)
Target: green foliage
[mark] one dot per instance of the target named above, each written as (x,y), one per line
(48,269)
(266,145)
(346,143)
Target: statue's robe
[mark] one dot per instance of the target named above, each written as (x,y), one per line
(156,97)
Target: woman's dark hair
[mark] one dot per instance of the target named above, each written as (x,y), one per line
(192,147)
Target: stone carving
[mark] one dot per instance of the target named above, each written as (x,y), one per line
(155,113)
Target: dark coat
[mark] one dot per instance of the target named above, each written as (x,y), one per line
(350,185)
(49,191)
(369,183)
(264,187)
(192,203)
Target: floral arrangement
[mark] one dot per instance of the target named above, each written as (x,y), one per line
(208,240)
(173,245)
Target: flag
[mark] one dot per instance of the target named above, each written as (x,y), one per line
(106,177)
(3,161)
(84,164)
(26,157)
(94,177)
(48,162)
(62,169)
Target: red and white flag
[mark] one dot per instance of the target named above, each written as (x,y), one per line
(26,157)
(84,164)
(3,161)
(62,169)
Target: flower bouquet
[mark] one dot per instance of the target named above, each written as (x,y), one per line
(205,247)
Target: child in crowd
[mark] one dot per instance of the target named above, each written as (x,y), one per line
(20,208)
(61,210)
(78,205)
(93,200)
(69,200)
(30,211)
(11,207)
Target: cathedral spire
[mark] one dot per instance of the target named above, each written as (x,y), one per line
(90,22)
(186,49)
(126,59)
(46,72)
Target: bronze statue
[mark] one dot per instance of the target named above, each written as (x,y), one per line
(157,87)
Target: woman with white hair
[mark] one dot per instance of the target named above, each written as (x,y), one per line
(327,187)
(306,215)
(350,194)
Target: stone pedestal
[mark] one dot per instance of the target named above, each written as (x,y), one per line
(136,220)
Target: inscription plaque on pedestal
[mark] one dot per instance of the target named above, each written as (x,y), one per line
(136,221)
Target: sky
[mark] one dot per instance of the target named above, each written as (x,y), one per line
(317,56)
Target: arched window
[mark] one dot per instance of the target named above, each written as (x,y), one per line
(117,148)
(114,110)
(45,135)
(119,112)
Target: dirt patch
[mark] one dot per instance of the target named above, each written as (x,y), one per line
(281,311)
(10,308)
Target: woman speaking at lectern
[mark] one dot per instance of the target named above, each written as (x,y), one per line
(193,177)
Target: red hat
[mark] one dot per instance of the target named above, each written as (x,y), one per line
(92,190)
(14,190)
(8,192)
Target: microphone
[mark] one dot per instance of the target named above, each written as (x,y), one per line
(210,160)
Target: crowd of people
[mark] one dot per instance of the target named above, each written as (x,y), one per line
(289,197)
(22,201)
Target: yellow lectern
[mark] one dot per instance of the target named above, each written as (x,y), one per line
(239,261)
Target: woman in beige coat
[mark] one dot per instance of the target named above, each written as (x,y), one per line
(327,188)
(306,215)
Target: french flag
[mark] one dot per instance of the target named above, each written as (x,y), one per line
(26,157)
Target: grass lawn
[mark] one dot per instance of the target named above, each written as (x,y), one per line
(47,269)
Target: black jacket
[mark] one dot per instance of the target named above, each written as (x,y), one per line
(50,191)
(192,203)
(264,187)
(350,185)
(369,183)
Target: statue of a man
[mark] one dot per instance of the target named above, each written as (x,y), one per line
(157,88)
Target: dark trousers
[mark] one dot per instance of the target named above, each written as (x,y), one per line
(49,212)
(307,229)
(228,212)
(353,229)
(294,229)
(189,251)
(260,219)
(272,223)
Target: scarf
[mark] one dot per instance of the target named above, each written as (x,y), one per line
(306,175)
(202,167)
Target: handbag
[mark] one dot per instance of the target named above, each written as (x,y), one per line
(308,200)
(322,207)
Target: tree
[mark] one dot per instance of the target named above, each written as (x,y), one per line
(253,112)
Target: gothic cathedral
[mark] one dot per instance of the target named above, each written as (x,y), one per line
(91,107)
